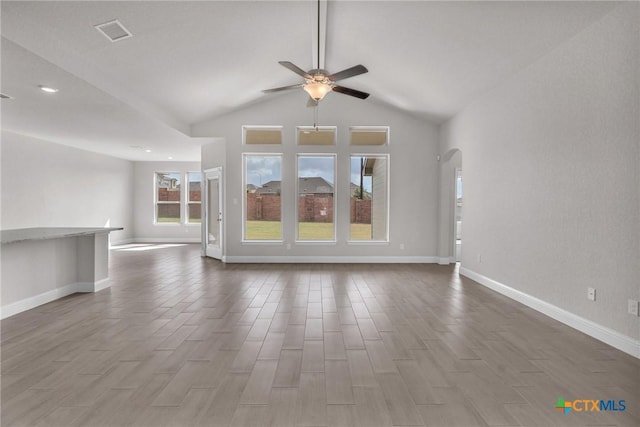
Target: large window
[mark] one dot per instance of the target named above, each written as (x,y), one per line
(262,202)
(369,198)
(194,198)
(173,205)
(168,197)
(315,188)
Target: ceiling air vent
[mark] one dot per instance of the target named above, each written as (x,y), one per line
(114,30)
(3,96)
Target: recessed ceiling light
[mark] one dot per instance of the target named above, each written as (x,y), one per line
(48,89)
(147,151)
(170,158)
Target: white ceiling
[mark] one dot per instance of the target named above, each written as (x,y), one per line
(189,62)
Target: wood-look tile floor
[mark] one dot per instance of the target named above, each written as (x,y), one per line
(180,340)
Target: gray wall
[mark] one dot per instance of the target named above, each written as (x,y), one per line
(413,174)
(551,175)
(51,185)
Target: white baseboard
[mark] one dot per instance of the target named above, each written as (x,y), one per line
(32,302)
(602,333)
(52,295)
(93,286)
(120,242)
(101,284)
(332,259)
(165,240)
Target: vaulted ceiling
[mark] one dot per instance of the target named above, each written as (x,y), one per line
(189,62)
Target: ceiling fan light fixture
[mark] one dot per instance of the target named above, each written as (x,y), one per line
(319,82)
(317,90)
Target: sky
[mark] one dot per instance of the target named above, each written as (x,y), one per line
(312,166)
(262,169)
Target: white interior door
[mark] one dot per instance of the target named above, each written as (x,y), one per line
(213,213)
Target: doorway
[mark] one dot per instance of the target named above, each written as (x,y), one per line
(214,208)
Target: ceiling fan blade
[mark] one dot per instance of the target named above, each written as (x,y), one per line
(299,71)
(349,72)
(278,89)
(350,92)
(312,102)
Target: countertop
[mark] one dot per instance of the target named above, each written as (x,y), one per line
(46,233)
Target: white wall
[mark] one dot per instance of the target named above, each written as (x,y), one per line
(551,175)
(413,176)
(144,215)
(51,185)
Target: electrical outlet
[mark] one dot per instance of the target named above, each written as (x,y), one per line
(402,246)
(288,246)
(591,294)
(632,307)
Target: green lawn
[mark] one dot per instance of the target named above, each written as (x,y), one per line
(360,232)
(315,231)
(272,230)
(167,219)
(263,230)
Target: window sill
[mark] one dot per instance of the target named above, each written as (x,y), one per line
(178,224)
(262,242)
(368,242)
(315,242)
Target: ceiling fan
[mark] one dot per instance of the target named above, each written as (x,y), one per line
(318,82)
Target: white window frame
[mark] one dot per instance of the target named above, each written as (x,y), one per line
(244,199)
(335,198)
(157,202)
(187,219)
(387,204)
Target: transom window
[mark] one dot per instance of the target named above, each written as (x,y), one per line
(260,135)
(323,135)
(369,135)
